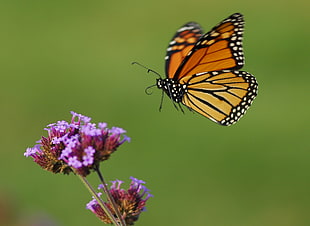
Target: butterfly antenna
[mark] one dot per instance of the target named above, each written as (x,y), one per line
(148,69)
(148,88)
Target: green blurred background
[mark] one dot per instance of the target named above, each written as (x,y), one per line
(58,56)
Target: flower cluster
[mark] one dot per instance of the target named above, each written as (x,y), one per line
(130,202)
(77,146)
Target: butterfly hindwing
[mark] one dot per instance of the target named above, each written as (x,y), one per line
(182,42)
(222,96)
(219,49)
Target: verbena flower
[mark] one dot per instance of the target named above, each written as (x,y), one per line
(130,203)
(78,144)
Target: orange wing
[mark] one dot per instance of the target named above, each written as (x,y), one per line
(180,45)
(219,49)
(222,96)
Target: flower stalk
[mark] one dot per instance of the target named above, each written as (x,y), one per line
(110,198)
(130,202)
(99,200)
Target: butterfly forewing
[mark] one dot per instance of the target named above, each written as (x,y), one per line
(222,96)
(219,49)
(180,45)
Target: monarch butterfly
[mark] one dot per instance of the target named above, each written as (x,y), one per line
(202,71)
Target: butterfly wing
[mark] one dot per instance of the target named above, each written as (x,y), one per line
(219,49)
(180,45)
(222,96)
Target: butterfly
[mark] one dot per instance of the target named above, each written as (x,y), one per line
(202,71)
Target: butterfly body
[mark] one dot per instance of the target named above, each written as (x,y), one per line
(173,89)
(202,71)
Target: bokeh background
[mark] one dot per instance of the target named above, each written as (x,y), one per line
(63,55)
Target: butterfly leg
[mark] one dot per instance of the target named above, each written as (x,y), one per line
(180,106)
(161,101)
(170,95)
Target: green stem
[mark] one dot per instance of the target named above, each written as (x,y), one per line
(110,198)
(99,200)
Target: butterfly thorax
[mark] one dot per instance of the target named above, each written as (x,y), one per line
(173,89)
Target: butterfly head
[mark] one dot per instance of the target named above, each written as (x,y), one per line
(173,89)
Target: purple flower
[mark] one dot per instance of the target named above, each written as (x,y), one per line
(32,151)
(117,130)
(88,158)
(130,202)
(74,162)
(77,146)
